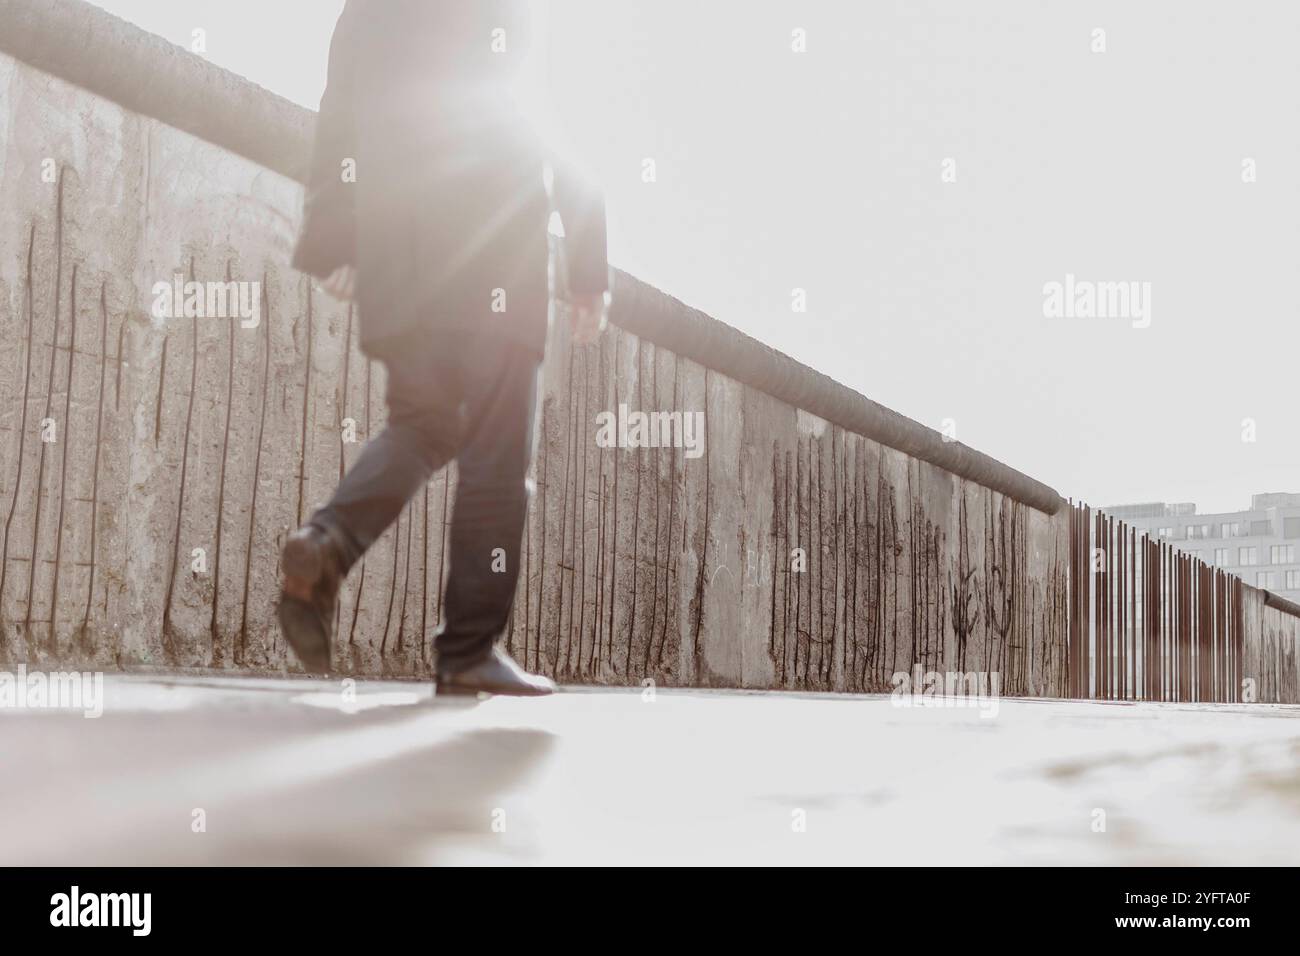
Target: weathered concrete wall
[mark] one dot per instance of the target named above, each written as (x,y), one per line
(682,570)
(1271,649)
(184,434)
(149,468)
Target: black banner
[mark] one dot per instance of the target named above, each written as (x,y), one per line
(947,907)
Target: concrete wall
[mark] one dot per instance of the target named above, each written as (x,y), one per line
(150,468)
(1270,649)
(184,434)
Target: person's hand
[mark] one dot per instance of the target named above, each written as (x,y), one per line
(587,316)
(342,283)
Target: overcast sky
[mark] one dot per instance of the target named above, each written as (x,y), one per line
(824,171)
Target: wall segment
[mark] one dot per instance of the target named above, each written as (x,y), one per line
(820,541)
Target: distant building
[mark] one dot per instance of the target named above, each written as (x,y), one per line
(1260,545)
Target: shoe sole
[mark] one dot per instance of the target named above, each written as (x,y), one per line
(302,628)
(299,620)
(465,690)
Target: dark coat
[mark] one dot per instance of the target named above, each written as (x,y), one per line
(446,220)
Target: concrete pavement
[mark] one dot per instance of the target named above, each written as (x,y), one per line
(221,770)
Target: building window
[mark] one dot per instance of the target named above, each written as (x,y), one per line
(1264,579)
(1291,527)
(1281,554)
(1165,533)
(1293,580)
(1247,556)
(1261,527)
(1230,530)
(1220,557)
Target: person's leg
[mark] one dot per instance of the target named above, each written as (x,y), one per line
(491,504)
(423,432)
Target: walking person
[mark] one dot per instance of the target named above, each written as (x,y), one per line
(427,204)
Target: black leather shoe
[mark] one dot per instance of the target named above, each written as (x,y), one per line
(498,674)
(309,594)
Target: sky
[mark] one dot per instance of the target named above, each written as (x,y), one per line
(923,172)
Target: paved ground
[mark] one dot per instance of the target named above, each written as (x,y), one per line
(289,771)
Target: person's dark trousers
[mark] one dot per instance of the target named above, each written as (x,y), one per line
(450,395)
